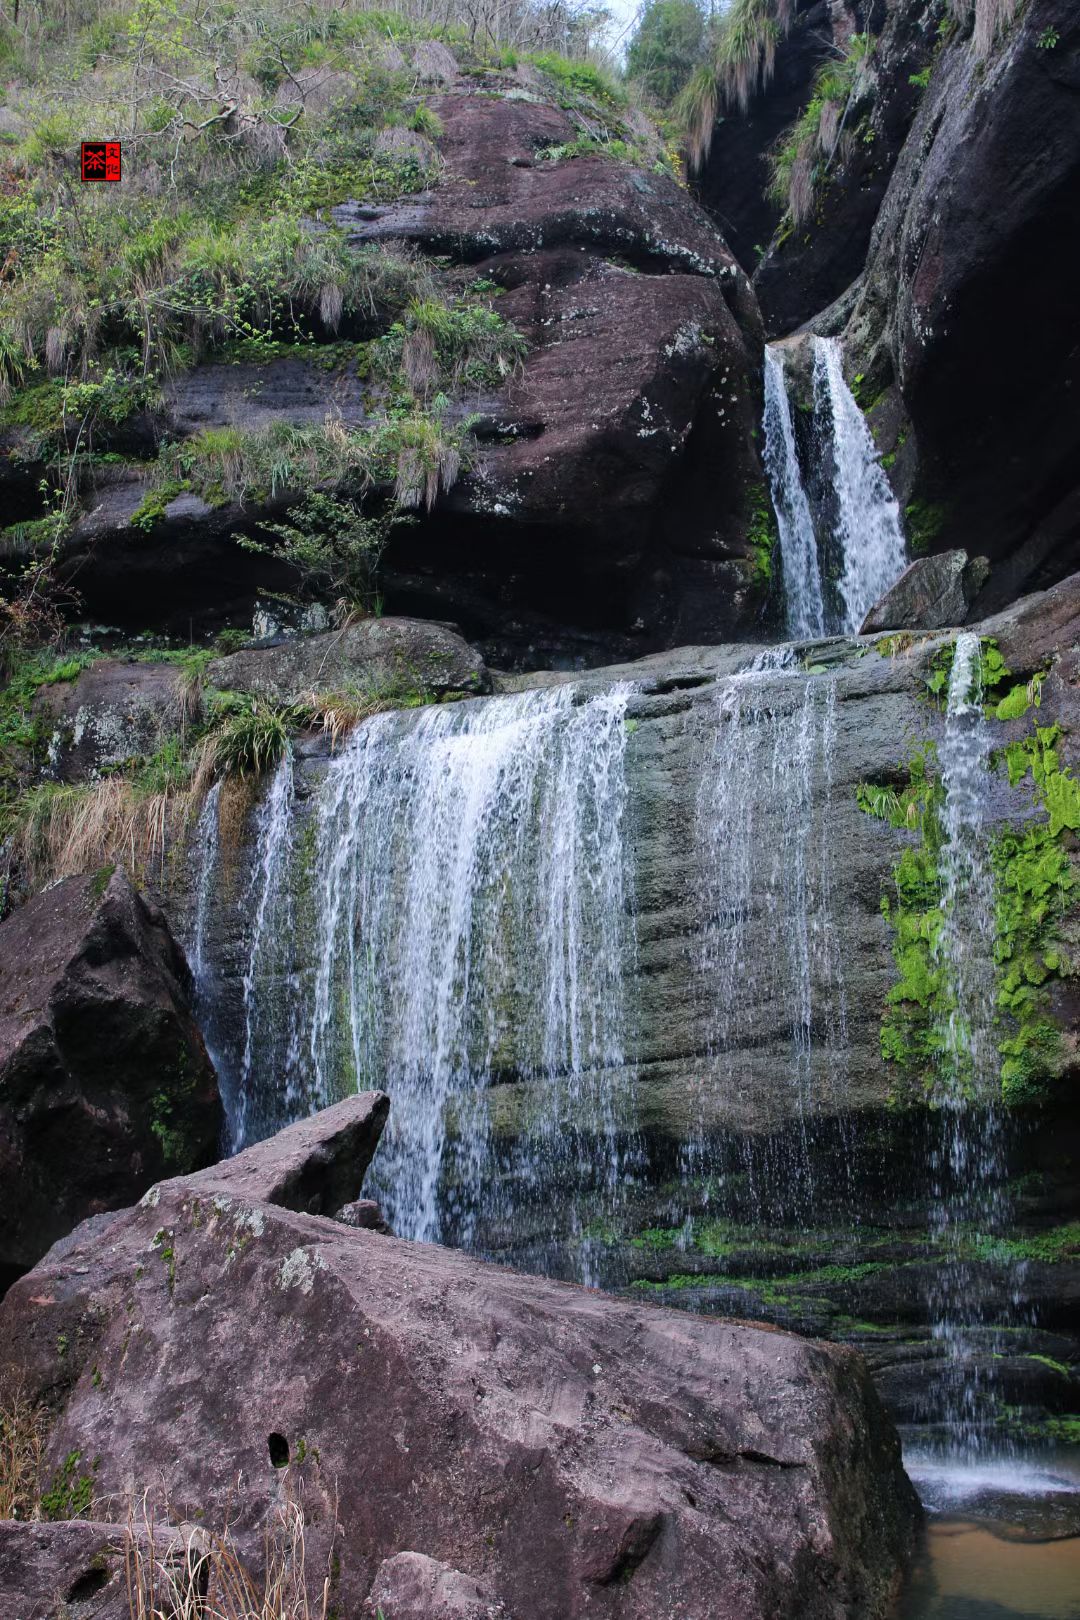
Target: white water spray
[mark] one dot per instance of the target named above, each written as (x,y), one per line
(799,565)
(867,524)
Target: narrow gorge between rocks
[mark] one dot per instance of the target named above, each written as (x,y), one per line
(539,810)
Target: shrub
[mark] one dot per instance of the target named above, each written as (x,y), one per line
(334,547)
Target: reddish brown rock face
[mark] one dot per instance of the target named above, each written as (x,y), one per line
(105,1083)
(629,459)
(535,1445)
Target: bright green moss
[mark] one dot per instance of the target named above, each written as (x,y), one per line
(1033,887)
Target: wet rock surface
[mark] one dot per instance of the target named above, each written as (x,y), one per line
(105,1083)
(498,1439)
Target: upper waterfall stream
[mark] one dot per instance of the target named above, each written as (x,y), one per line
(841,548)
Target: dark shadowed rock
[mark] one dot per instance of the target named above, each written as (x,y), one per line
(554,1450)
(984,187)
(376,654)
(931,593)
(105,1084)
(810,265)
(734,178)
(315,1166)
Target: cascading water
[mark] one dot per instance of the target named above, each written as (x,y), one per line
(764,816)
(799,565)
(867,513)
(448,910)
(269,904)
(968,1165)
(473,881)
(853,520)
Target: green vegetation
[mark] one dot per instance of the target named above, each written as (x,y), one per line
(242,131)
(804,154)
(1057,1244)
(924,521)
(741,57)
(1062,1430)
(71,1494)
(251,740)
(762,536)
(668,43)
(1033,886)
(334,548)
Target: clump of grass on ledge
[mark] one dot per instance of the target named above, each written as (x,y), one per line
(742,60)
(416,453)
(250,741)
(803,153)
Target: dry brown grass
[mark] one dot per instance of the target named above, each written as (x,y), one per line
(22,1448)
(195,1575)
(64,830)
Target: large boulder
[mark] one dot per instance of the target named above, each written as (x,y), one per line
(105,1083)
(376,655)
(629,459)
(455,1432)
(115,710)
(931,593)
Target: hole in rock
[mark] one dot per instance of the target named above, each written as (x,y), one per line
(278,1447)
(87,1585)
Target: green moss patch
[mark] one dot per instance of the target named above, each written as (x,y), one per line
(1034,884)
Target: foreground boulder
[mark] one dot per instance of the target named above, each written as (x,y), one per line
(525,1443)
(105,1082)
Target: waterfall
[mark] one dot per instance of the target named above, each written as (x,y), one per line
(205,848)
(269,972)
(473,884)
(841,544)
(764,817)
(967,884)
(799,566)
(867,525)
(968,1169)
(446,917)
